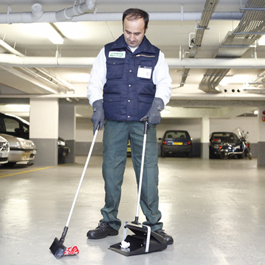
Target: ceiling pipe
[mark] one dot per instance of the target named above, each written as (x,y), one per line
(38,15)
(67,15)
(37,11)
(165,16)
(53,62)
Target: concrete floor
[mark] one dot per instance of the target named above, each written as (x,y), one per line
(214,209)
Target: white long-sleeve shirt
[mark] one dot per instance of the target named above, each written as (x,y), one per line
(161,78)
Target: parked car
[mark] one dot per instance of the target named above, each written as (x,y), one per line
(21,150)
(217,140)
(129,150)
(63,150)
(176,142)
(4,150)
(16,126)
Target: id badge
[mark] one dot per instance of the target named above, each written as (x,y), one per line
(144,72)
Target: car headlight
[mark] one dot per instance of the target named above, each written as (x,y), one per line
(26,144)
(17,145)
(5,146)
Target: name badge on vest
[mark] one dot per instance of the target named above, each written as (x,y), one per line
(113,54)
(144,72)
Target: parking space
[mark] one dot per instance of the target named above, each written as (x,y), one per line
(214,209)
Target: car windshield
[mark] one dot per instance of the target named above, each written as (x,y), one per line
(176,134)
(225,137)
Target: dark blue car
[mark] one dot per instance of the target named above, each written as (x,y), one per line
(176,142)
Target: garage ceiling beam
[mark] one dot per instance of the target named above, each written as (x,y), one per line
(192,63)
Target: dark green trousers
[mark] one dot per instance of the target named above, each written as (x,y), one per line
(115,141)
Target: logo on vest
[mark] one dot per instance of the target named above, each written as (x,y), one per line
(116,54)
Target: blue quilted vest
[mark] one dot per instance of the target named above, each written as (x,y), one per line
(129,90)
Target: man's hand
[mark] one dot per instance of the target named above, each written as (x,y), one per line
(98,115)
(153,115)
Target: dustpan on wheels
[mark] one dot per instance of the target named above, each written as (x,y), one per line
(143,240)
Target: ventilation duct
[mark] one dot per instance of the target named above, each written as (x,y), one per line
(209,8)
(236,43)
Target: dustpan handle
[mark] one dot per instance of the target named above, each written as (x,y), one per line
(141,173)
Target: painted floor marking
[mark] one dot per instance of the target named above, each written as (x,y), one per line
(22,172)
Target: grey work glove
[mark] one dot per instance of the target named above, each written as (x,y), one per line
(153,115)
(98,115)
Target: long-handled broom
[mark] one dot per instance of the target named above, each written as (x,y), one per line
(57,248)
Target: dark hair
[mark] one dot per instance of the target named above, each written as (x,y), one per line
(135,13)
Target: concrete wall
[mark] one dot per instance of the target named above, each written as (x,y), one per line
(84,132)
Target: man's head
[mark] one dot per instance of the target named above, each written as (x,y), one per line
(135,23)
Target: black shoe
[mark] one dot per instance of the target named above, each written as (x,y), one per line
(103,230)
(168,238)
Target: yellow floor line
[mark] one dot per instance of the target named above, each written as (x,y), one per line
(17,173)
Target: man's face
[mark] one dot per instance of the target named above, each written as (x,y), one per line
(134,31)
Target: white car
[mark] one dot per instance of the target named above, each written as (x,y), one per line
(22,151)
(4,150)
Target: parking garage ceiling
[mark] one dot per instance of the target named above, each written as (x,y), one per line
(213,48)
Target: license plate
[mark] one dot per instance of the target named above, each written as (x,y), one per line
(177,143)
(25,157)
(3,154)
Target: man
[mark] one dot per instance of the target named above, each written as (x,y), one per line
(129,83)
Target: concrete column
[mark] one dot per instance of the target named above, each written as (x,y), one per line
(44,130)
(67,128)
(205,137)
(261,137)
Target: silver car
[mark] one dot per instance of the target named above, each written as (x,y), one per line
(4,150)
(22,151)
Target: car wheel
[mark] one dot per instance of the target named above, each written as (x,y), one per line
(163,154)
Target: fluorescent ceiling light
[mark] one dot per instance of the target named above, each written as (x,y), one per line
(72,30)
(78,77)
(225,81)
(20,107)
(51,33)
(261,41)
(236,79)
(240,79)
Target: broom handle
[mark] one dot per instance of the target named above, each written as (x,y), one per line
(141,173)
(82,177)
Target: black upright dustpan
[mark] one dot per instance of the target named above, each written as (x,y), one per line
(143,240)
